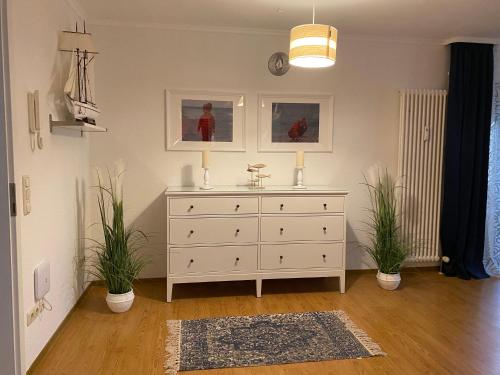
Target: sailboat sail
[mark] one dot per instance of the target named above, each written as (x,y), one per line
(71,86)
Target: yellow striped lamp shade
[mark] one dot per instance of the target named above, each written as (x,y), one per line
(313,46)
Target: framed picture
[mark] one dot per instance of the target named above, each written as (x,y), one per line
(201,120)
(289,123)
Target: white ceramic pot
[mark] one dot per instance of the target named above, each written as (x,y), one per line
(119,303)
(388,281)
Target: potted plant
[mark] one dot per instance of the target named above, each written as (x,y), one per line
(116,260)
(386,246)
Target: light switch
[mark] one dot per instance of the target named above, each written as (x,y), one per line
(26,195)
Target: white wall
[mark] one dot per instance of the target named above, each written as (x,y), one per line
(59,173)
(137,64)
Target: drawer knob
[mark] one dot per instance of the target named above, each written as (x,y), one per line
(281,206)
(281,258)
(237,259)
(324,229)
(324,206)
(191,260)
(237,207)
(324,256)
(281,230)
(237,231)
(191,231)
(191,207)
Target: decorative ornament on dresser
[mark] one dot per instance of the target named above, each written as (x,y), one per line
(255,181)
(205,156)
(278,64)
(241,233)
(115,259)
(387,247)
(299,167)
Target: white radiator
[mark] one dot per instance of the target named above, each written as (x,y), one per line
(421,134)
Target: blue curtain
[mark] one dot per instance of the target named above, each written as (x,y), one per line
(465,179)
(492,233)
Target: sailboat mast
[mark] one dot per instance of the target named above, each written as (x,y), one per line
(85,67)
(78,67)
(85,75)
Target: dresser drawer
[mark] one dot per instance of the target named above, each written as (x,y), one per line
(213,230)
(301,256)
(302,205)
(302,228)
(213,206)
(213,259)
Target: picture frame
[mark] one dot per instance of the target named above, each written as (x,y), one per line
(205,120)
(295,122)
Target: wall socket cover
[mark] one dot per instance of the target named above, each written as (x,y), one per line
(34,313)
(42,280)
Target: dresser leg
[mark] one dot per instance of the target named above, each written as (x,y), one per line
(342,283)
(258,283)
(170,286)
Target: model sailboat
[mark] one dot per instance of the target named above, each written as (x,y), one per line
(78,87)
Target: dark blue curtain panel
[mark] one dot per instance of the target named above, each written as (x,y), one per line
(466,159)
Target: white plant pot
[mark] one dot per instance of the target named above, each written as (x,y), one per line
(119,303)
(388,281)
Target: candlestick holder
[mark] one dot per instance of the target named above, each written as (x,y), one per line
(300,178)
(206,180)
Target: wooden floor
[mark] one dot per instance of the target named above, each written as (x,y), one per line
(432,325)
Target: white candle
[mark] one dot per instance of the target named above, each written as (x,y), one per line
(300,159)
(204,158)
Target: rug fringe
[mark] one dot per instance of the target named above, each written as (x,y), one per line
(365,340)
(173,347)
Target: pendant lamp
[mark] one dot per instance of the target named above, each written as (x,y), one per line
(313,45)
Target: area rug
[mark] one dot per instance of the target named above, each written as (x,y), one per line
(264,340)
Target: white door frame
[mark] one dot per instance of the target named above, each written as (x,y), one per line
(10,342)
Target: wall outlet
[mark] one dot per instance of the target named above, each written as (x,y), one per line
(34,313)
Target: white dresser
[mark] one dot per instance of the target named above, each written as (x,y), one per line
(238,233)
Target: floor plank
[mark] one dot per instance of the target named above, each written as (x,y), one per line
(431,325)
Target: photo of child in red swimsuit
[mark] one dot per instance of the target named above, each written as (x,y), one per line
(206,123)
(200,117)
(298,129)
(295,122)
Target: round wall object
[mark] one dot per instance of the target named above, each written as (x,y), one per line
(278,63)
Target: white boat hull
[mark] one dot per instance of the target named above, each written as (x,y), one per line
(81,110)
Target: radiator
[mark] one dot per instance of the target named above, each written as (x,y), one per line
(420,166)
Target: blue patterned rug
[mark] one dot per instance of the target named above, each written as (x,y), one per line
(264,340)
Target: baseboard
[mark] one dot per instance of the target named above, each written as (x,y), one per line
(58,329)
(410,267)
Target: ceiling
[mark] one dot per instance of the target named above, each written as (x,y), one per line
(422,19)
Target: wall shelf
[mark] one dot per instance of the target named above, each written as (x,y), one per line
(77,125)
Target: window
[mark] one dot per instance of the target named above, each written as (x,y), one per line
(492,233)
